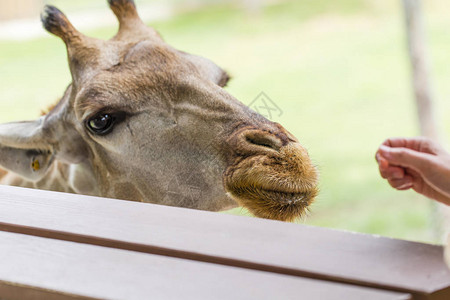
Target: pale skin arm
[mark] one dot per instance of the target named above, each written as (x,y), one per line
(416,163)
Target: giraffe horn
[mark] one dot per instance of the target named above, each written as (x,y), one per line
(56,22)
(83,52)
(127,15)
(130,24)
(125,10)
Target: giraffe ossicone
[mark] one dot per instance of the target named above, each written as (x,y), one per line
(139,117)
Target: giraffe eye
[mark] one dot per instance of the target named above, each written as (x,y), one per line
(101,124)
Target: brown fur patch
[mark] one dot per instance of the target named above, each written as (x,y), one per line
(3,173)
(48,109)
(126,191)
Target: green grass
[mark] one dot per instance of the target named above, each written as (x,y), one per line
(338,69)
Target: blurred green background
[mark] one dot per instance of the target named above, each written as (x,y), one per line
(339,70)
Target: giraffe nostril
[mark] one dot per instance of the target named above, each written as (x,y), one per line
(263,139)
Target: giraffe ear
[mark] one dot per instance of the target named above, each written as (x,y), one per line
(29,148)
(208,69)
(22,150)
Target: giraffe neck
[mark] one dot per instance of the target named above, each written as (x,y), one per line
(61,177)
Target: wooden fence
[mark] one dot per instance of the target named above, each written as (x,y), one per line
(64,246)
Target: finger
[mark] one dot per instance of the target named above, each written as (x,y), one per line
(404,183)
(383,163)
(392,172)
(387,171)
(396,142)
(421,144)
(405,157)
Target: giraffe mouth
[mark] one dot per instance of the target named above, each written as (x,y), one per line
(270,173)
(272,204)
(270,189)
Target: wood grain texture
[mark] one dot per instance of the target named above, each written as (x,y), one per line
(40,268)
(238,241)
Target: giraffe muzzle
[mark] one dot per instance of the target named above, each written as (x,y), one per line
(271,174)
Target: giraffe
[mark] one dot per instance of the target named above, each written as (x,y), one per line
(139,113)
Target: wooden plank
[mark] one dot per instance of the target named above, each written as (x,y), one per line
(231,240)
(41,268)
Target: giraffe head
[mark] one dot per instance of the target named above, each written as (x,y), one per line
(144,121)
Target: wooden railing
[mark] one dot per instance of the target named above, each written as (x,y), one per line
(64,246)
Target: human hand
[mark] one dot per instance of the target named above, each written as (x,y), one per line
(416,163)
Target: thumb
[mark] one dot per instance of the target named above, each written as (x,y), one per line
(405,157)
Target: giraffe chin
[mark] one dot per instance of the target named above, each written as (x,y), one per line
(270,204)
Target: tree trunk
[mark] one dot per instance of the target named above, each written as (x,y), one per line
(423,94)
(421,69)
